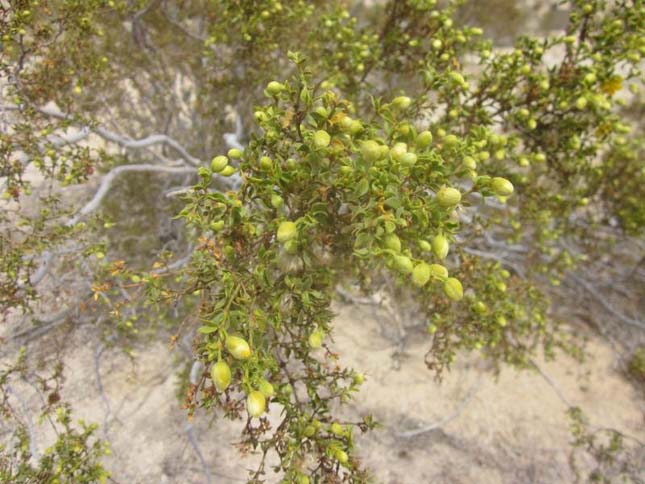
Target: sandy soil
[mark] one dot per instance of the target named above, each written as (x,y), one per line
(509,430)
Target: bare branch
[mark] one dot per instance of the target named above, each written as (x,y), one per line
(433,426)
(123,141)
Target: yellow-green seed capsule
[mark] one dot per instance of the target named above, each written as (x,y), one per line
(221,375)
(346,124)
(234,153)
(469,162)
(219,163)
(321,139)
(371,150)
(266,388)
(502,187)
(392,242)
(409,159)
(480,307)
(451,140)
(276,201)
(315,339)
(356,127)
(256,403)
(448,197)
(341,456)
(421,274)
(501,320)
(440,246)
(217,226)
(403,264)
(424,139)
(286,231)
(457,77)
(581,103)
(453,289)
(438,271)
(337,429)
(228,170)
(425,245)
(266,163)
(238,347)
(398,150)
(401,102)
(275,88)
(309,431)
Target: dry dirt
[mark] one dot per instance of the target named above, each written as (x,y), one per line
(509,430)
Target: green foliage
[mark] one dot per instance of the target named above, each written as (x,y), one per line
(385,143)
(75,455)
(610,457)
(636,365)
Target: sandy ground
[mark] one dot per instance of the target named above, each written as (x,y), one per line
(509,430)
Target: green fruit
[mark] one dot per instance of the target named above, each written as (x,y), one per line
(502,187)
(286,231)
(421,274)
(309,431)
(392,242)
(341,456)
(321,139)
(440,246)
(401,102)
(403,264)
(453,289)
(458,78)
(451,140)
(276,201)
(234,153)
(398,150)
(480,308)
(346,124)
(266,388)
(409,159)
(221,375)
(581,102)
(356,127)
(227,171)
(469,162)
(370,150)
(238,347)
(217,226)
(501,320)
(219,163)
(266,163)
(274,88)
(438,271)
(337,429)
(315,339)
(424,139)
(425,245)
(358,379)
(448,197)
(256,403)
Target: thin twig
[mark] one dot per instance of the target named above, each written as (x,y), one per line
(433,426)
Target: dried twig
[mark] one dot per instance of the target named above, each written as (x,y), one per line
(433,426)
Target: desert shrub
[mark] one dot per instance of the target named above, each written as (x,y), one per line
(311,144)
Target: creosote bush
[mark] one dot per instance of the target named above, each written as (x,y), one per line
(369,144)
